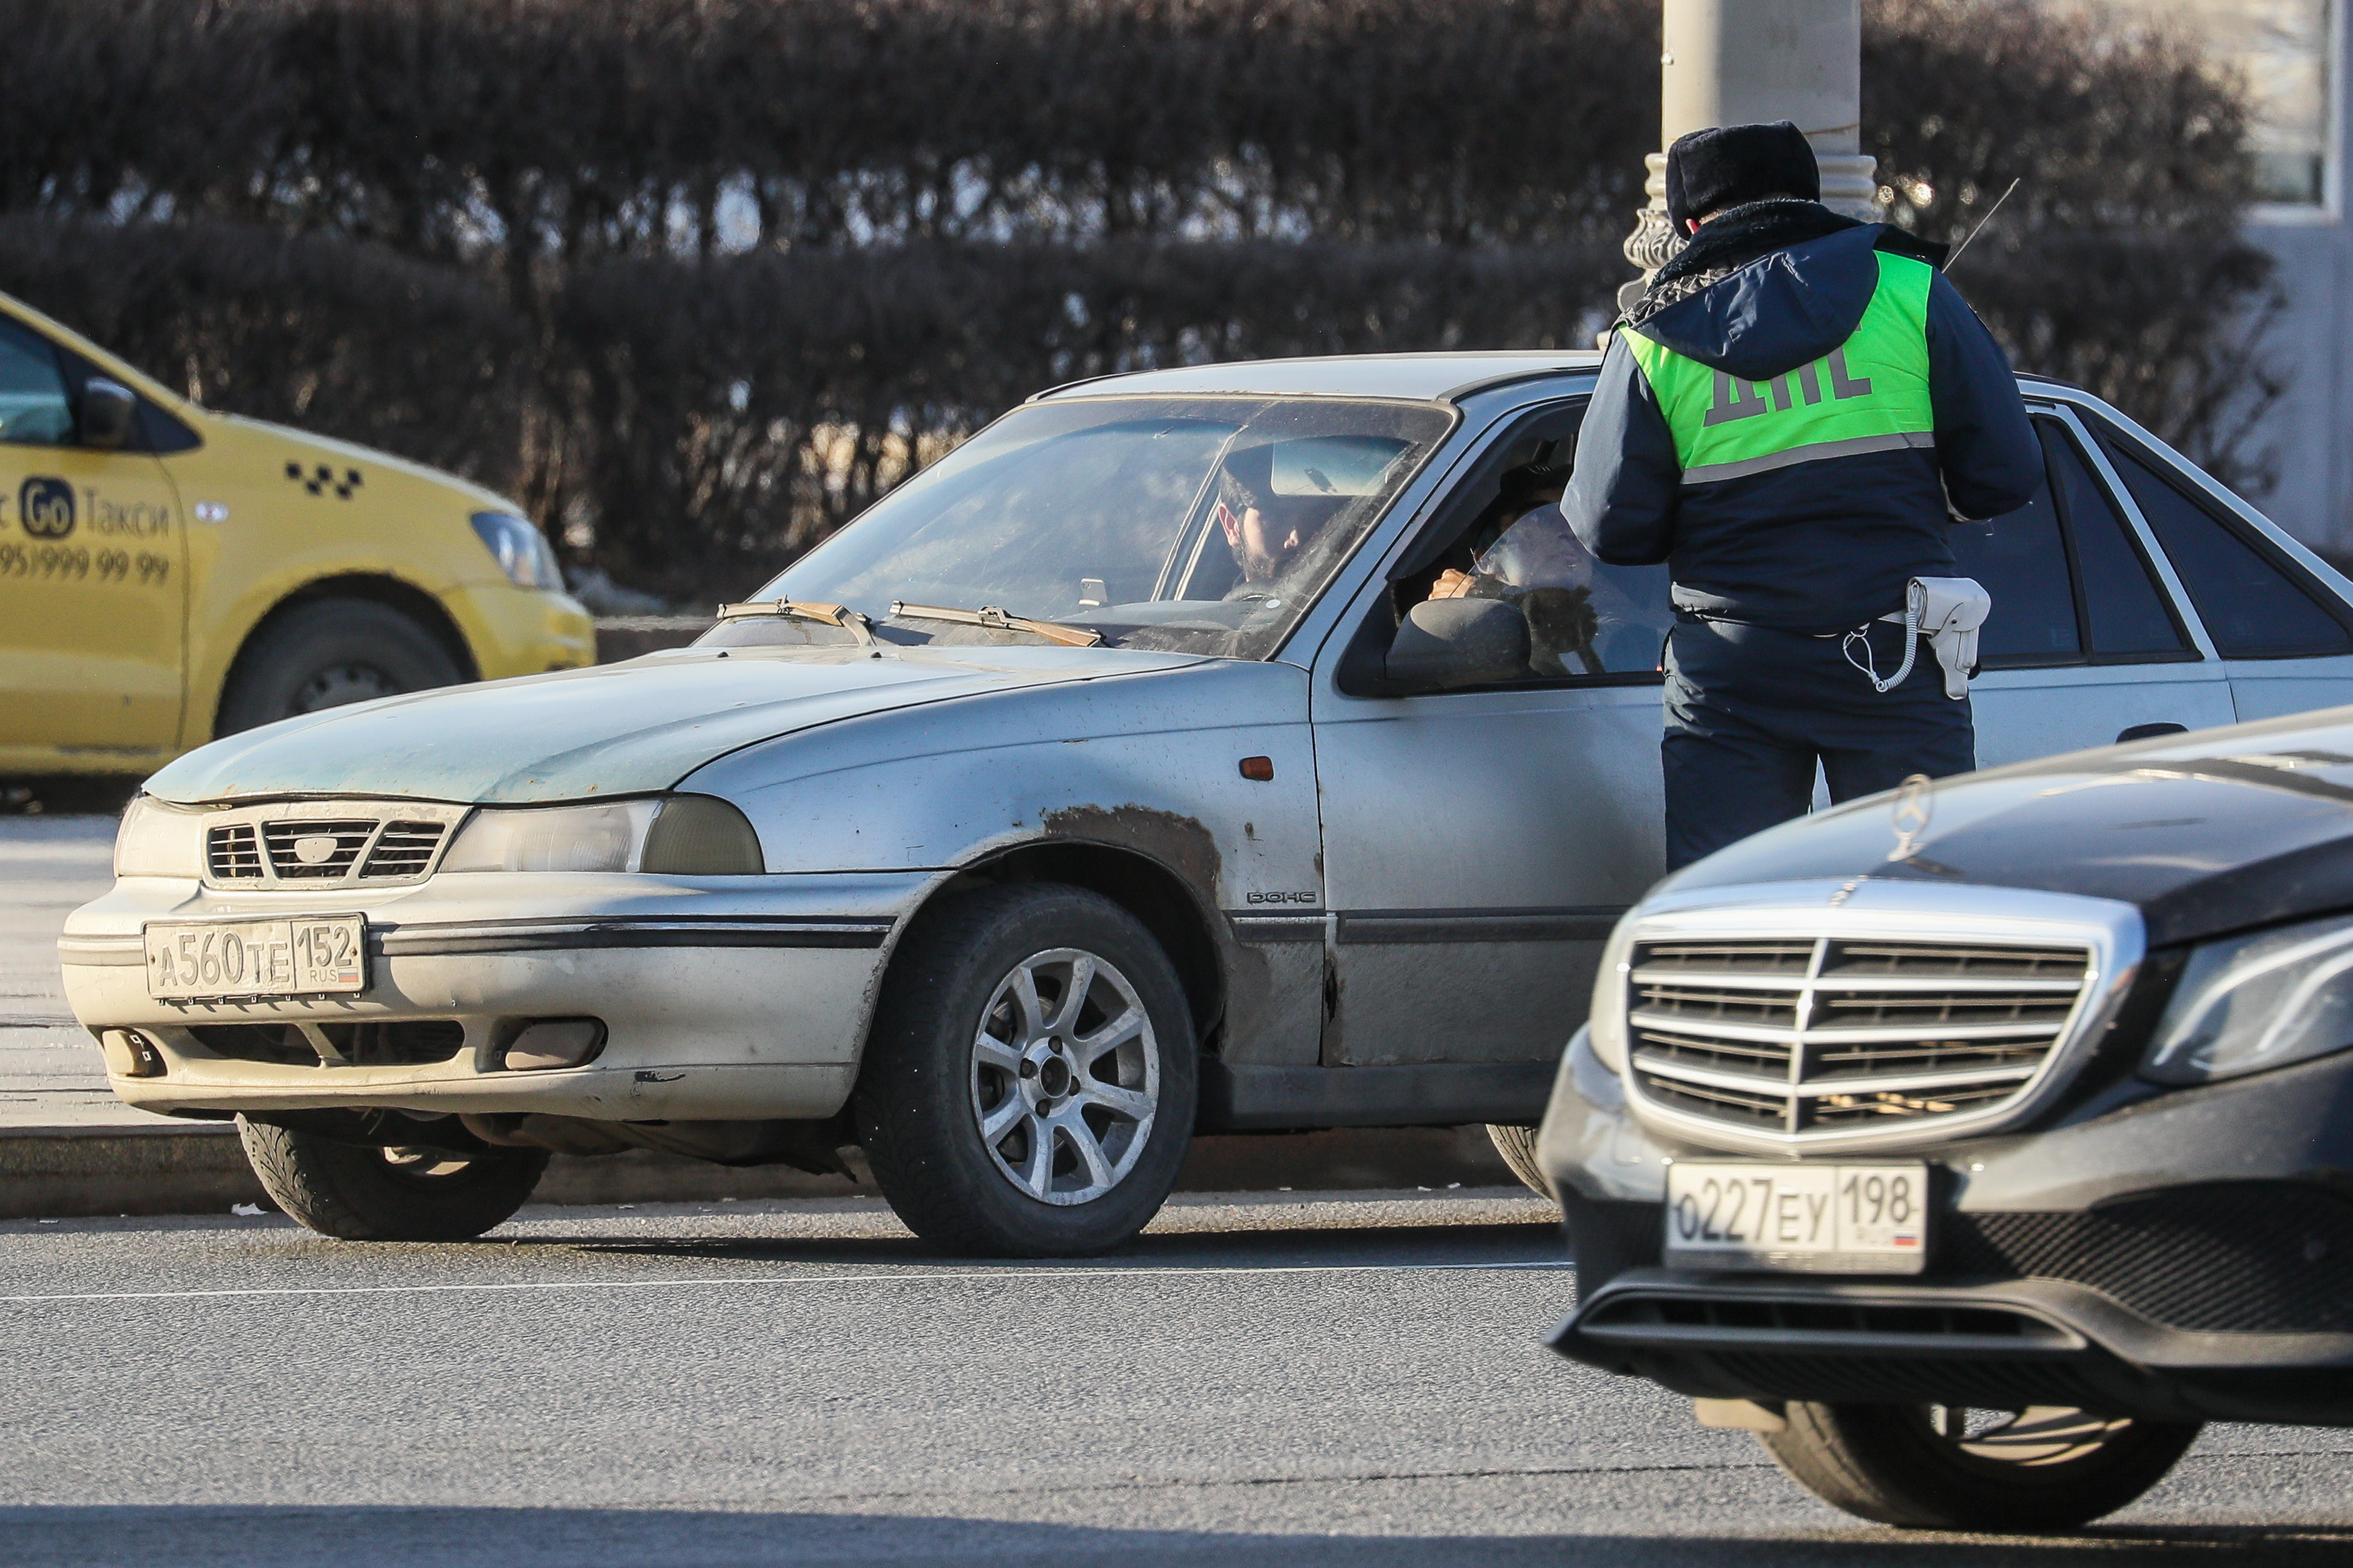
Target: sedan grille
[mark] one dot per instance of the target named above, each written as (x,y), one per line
(403,849)
(311,852)
(233,854)
(314,850)
(1787,1037)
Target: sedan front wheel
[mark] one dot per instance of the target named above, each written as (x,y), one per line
(1029,1091)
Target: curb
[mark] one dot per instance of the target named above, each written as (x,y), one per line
(73,1172)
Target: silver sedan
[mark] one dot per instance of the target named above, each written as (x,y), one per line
(1238,748)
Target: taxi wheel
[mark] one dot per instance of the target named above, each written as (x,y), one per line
(356,1193)
(1028,1088)
(1517,1144)
(327,653)
(1935,1466)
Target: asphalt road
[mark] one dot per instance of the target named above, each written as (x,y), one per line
(1283,1381)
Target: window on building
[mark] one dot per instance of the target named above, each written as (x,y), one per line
(2282,49)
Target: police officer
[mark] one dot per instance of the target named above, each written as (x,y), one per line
(1790,417)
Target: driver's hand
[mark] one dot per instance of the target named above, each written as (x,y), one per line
(1451,584)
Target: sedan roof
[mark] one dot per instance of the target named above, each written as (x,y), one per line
(1434,377)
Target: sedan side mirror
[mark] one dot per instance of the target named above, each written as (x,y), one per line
(107,407)
(1448,643)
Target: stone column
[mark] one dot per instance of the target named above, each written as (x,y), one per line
(1733,62)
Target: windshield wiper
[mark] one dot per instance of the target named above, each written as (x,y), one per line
(991,615)
(841,615)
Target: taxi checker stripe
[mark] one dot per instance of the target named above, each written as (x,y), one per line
(1897,441)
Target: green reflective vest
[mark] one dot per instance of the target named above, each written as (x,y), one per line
(1869,394)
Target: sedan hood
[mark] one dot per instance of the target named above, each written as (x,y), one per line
(2206,833)
(617,728)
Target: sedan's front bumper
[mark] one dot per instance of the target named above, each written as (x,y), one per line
(722,998)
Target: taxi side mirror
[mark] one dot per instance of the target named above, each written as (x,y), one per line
(1448,643)
(106,410)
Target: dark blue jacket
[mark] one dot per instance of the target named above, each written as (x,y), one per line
(1820,546)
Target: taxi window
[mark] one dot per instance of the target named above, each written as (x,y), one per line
(34,409)
(2123,605)
(2021,561)
(2254,607)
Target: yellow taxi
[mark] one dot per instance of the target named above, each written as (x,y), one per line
(169,573)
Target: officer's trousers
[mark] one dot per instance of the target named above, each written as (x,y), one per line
(1751,709)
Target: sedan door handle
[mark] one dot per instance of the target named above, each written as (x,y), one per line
(2149,732)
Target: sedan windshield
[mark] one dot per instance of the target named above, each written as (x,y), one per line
(1189,524)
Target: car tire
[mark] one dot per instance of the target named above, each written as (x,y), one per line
(2044,1469)
(326,653)
(356,1192)
(988,1127)
(1517,1145)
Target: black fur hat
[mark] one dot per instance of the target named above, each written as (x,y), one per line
(1708,171)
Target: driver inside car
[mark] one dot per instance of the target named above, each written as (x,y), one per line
(1265,532)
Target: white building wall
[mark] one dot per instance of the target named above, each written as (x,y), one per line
(2292,54)
(2309,429)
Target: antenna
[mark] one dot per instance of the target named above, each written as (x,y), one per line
(1955,255)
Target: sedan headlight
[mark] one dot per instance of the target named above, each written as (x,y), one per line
(522,550)
(677,834)
(2258,1002)
(156,841)
(1607,1020)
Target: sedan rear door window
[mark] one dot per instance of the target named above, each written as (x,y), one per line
(2123,606)
(2253,607)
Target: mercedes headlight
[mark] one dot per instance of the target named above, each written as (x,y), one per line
(156,841)
(677,834)
(2254,1003)
(521,552)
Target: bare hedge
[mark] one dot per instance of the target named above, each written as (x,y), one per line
(349,339)
(696,278)
(720,381)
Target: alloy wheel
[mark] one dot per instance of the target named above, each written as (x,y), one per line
(2038,1436)
(1065,1076)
